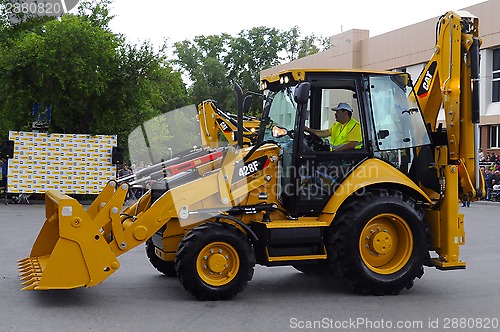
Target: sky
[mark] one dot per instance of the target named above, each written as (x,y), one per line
(174,20)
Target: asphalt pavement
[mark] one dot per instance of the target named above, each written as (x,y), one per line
(138,298)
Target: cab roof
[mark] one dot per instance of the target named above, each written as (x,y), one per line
(292,76)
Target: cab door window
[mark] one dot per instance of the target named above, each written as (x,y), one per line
(340,115)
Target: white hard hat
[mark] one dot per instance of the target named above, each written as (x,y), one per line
(343,107)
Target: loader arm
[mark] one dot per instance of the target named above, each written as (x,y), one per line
(79,248)
(450,79)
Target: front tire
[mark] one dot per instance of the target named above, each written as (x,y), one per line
(378,244)
(215,261)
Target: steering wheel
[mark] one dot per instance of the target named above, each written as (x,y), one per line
(315,142)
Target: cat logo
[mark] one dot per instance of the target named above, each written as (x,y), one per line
(423,91)
(224,126)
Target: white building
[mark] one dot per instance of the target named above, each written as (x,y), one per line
(408,49)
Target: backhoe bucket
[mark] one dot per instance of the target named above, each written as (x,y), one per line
(70,250)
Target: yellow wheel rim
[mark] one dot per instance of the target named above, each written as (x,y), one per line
(386,243)
(217,264)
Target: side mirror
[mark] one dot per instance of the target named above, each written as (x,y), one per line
(301,95)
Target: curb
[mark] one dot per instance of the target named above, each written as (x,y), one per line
(486,203)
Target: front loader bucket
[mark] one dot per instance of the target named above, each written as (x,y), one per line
(70,250)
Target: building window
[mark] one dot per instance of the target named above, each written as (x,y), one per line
(496,76)
(494,137)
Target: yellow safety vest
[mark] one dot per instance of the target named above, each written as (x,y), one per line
(345,133)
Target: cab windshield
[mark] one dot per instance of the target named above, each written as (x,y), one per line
(282,108)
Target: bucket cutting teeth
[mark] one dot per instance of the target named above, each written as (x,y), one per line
(28,267)
(31,275)
(30,272)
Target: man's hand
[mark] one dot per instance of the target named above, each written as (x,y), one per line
(318,132)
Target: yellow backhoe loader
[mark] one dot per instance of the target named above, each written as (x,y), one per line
(374,215)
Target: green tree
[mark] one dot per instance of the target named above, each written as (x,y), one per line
(296,48)
(213,63)
(95,82)
(204,62)
(251,51)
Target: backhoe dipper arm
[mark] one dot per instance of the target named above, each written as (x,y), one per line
(213,120)
(450,79)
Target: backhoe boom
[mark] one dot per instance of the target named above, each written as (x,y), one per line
(450,81)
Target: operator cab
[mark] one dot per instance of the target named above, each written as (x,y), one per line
(383,107)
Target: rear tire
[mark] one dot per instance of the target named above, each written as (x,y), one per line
(378,242)
(215,261)
(167,268)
